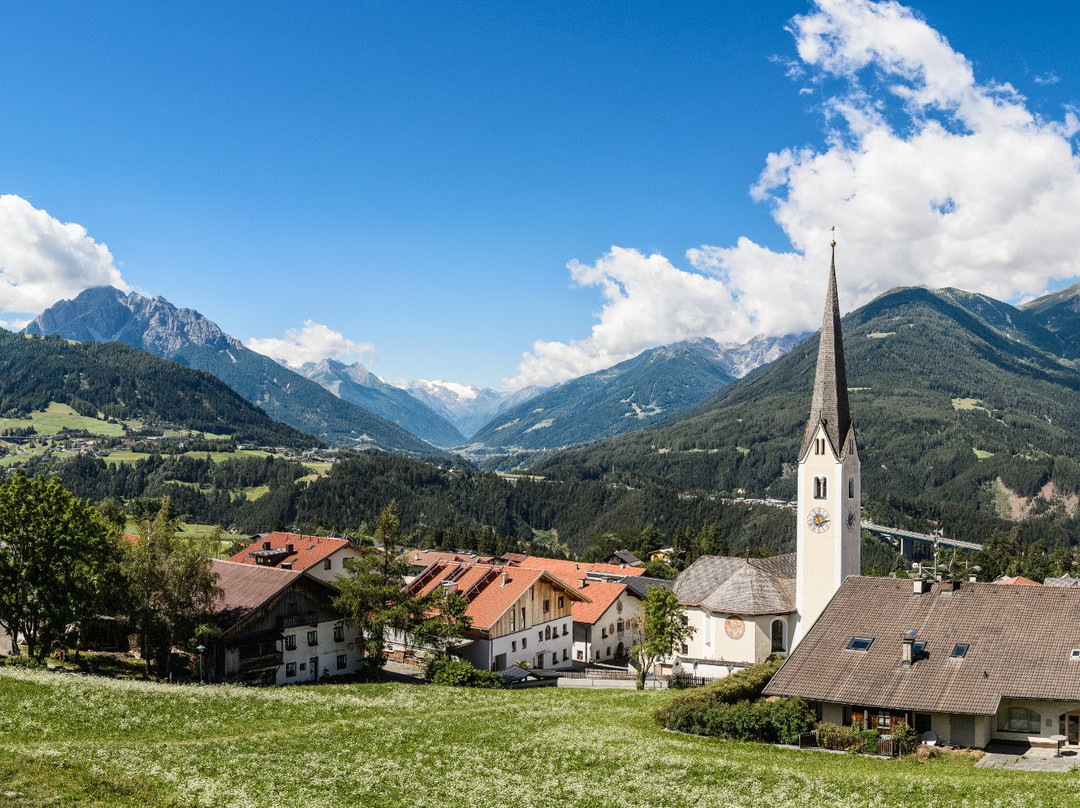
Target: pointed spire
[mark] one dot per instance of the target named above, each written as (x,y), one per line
(830,401)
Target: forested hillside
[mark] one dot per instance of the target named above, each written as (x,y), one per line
(449,507)
(114,381)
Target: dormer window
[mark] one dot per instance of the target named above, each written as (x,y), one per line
(821,487)
(860,643)
(960,650)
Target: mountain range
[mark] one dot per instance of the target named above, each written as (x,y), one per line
(154,325)
(347,405)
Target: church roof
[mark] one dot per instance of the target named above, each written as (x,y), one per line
(982,643)
(749,586)
(830,401)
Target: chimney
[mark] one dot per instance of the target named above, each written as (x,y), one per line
(451,586)
(290,548)
(266,545)
(502,579)
(920,585)
(907,649)
(949,586)
(972,577)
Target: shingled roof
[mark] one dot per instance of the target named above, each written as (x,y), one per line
(1020,641)
(829,404)
(739,585)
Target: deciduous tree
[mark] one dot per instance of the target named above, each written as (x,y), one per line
(660,630)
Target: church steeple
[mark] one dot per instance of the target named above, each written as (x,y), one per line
(830,401)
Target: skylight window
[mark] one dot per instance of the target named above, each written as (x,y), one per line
(960,650)
(1075,654)
(918,647)
(860,643)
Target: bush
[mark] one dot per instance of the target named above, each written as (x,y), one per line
(746,685)
(848,739)
(906,738)
(23,662)
(458,673)
(769,721)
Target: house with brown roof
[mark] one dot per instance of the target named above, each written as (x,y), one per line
(320,556)
(279,626)
(972,662)
(742,610)
(603,628)
(518,614)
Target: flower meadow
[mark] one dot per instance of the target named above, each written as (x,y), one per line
(73,740)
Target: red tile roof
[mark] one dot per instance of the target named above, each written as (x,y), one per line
(307,551)
(575,571)
(602,595)
(490,589)
(1018,580)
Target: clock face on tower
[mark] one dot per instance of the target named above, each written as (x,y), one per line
(818,520)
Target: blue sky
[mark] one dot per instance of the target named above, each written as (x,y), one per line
(416,178)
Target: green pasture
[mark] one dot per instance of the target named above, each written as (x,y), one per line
(73,740)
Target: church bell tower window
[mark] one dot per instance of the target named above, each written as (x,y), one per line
(821,487)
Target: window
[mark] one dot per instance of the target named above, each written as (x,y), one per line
(522,617)
(819,446)
(685,649)
(313,638)
(883,720)
(603,633)
(960,650)
(1075,654)
(547,632)
(303,666)
(581,655)
(778,637)
(1019,719)
(565,655)
(290,642)
(513,620)
(524,643)
(860,643)
(821,487)
(339,633)
(554,659)
(342,661)
(539,636)
(565,630)
(547,605)
(561,601)
(290,669)
(607,651)
(918,647)
(620,626)
(328,564)
(851,487)
(513,645)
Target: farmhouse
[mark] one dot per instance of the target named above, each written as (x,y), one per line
(279,626)
(518,615)
(973,662)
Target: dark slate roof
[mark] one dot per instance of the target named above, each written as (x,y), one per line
(1020,637)
(246,587)
(830,400)
(639,584)
(624,557)
(739,585)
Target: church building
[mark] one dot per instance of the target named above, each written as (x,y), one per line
(743,610)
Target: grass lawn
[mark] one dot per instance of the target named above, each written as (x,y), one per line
(58,416)
(71,740)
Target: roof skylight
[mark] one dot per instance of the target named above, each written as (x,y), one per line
(960,650)
(860,643)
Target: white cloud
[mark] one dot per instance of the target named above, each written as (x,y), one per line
(932,177)
(646,300)
(311,343)
(43,260)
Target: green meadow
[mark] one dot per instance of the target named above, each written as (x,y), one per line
(72,740)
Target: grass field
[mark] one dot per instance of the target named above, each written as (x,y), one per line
(70,740)
(61,416)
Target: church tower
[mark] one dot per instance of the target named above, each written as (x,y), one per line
(829,532)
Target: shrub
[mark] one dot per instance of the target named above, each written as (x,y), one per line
(906,738)
(770,721)
(746,685)
(848,739)
(23,662)
(458,673)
